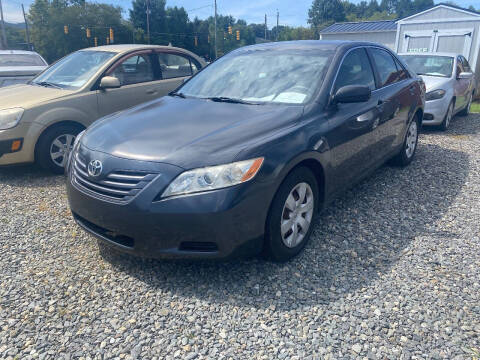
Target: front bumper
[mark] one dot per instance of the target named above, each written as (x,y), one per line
(435,111)
(217,224)
(29,133)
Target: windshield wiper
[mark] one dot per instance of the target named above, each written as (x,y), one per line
(179,94)
(231,100)
(48,84)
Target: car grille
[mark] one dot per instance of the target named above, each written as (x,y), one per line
(117,186)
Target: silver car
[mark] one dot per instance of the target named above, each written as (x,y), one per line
(18,67)
(450,85)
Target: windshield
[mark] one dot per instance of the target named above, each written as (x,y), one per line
(430,65)
(21,60)
(271,76)
(74,70)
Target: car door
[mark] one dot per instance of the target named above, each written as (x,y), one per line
(461,86)
(471,78)
(351,138)
(395,92)
(174,68)
(138,83)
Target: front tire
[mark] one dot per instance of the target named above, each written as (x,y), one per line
(448,117)
(291,216)
(54,146)
(409,147)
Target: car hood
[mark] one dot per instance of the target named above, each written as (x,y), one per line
(26,95)
(434,82)
(20,70)
(187,132)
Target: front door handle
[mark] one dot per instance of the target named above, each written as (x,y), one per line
(151,92)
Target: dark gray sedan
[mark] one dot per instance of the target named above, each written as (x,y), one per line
(240,159)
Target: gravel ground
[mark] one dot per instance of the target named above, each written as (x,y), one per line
(392,272)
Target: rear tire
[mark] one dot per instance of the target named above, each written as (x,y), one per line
(54,145)
(448,117)
(291,216)
(466,111)
(409,147)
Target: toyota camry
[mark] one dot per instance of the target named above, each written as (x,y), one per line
(240,158)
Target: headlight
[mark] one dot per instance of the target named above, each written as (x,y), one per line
(214,177)
(9,118)
(435,95)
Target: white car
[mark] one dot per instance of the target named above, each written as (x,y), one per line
(450,85)
(19,67)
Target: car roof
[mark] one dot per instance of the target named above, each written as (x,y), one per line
(429,53)
(309,45)
(3,52)
(120,48)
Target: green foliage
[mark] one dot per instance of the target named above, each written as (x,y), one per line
(15,37)
(325,12)
(48,18)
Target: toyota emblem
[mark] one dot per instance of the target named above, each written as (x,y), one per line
(95,168)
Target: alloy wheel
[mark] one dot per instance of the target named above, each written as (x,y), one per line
(60,148)
(297,215)
(411,141)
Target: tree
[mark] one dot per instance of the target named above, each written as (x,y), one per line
(48,18)
(421,5)
(325,11)
(158,19)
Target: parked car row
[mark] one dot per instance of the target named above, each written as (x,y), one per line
(41,119)
(240,158)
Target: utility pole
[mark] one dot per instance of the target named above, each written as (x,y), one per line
(215,30)
(4,44)
(27,33)
(278,15)
(265,26)
(148,20)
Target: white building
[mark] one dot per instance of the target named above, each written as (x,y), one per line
(442,28)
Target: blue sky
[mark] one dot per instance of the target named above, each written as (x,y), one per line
(292,12)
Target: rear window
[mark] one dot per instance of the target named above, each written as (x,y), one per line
(21,60)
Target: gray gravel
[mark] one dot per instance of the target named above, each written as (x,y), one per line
(392,272)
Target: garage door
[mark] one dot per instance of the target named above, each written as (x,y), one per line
(457,41)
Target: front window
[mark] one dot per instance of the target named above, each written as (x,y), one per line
(21,60)
(265,76)
(74,70)
(430,65)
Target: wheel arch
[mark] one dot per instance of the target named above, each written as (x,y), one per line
(314,164)
(52,126)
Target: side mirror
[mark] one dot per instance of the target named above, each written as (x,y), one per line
(464,75)
(109,82)
(352,94)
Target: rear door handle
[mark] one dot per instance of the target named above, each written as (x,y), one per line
(151,92)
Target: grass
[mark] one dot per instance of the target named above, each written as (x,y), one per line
(475,107)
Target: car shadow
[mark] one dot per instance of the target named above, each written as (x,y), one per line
(460,125)
(27,176)
(356,239)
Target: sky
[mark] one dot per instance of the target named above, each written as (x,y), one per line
(292,12)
